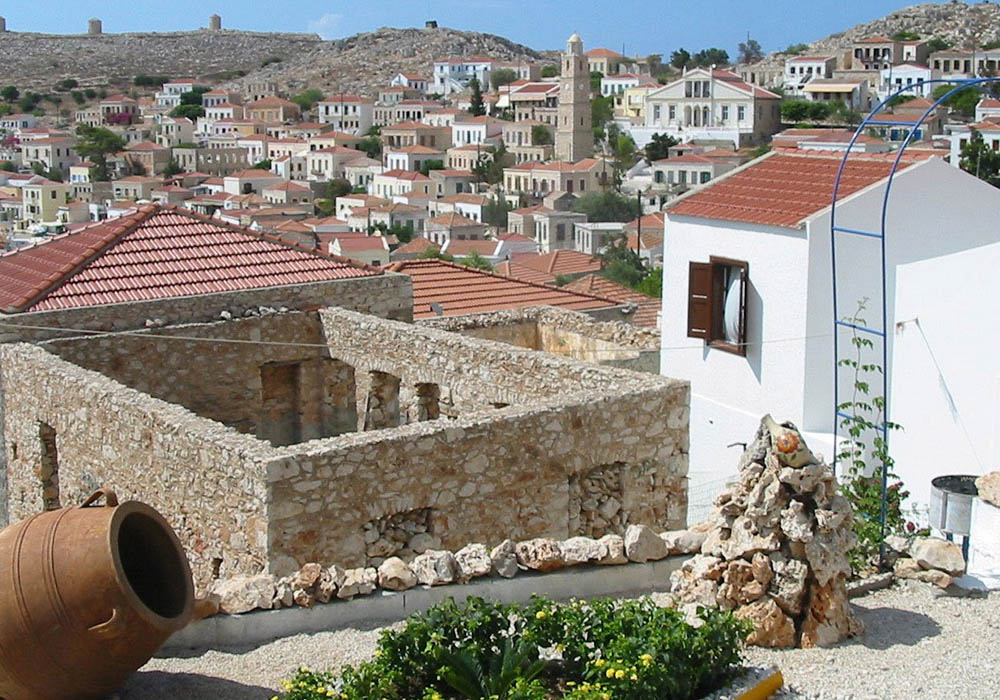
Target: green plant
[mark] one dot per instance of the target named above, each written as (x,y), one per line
(796,49)
(476,106)
(476,261)
(550,71)
(864,455)
(269,60)
(608,649)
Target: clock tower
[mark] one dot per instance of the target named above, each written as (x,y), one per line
(574,135)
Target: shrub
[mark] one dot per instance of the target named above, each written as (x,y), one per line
(611,649)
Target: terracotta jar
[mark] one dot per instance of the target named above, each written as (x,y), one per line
(87,595)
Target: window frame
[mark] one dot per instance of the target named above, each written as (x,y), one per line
(714,299)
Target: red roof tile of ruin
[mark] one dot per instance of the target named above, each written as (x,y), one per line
(650,222)
(784,188)
(558,262)
(647,307)
(464,248)
(463,290)
(157,253)
(415,247)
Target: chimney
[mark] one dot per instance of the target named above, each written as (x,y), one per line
(215,23)
(94,26)
(3,25)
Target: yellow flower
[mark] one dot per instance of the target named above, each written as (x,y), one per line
(599,663)
(619,674)
(633,677)
(605,696)
(540,615)
(610,673)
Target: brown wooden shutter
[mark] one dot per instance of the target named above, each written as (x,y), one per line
(699,300)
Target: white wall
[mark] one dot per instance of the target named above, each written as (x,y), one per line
(947,370)
(730,393)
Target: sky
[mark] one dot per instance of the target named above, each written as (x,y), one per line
(540,24)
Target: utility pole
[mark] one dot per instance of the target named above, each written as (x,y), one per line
(638,226)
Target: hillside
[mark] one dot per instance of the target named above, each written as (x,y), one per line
(963,26)
(365,62)
(37,61)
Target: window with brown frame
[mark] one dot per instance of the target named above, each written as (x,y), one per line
(717,301)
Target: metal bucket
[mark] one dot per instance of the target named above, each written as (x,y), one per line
(87,595)
(951,503)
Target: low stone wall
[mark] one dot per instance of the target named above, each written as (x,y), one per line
(207,480)
(565,333)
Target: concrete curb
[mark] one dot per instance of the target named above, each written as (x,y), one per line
(385,607)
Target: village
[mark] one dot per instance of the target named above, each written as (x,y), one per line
(671,328)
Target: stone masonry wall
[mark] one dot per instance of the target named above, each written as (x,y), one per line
(489,474)
(207,480)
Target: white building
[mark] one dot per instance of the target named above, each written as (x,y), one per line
(170,93)
(455,74)
(801,69)
(895,78)
(614,85)
(852,93)
(469,130)
(711,105)
(351,114)
(414,81)
(747,289)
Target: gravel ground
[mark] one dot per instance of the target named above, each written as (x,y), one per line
(918,644)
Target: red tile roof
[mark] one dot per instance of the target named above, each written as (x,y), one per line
(463,290)
(414,247)
(603,53)
(784,188)
(156,253)
(463,248)
(544,268)
(454,219)
(648,307)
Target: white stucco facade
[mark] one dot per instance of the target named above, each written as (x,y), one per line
(788,368)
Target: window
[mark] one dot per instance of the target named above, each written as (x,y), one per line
(671,112)
(560,232)
(705,177)
(741,113)
(656,112)
(725,113)
(717,293)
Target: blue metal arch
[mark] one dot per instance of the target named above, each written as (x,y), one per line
(870,121)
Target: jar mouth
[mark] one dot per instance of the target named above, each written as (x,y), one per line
(151,565)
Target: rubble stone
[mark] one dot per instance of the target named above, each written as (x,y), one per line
(989,488)
(359,581)
(642,544)
(684,541)
(582,550)
(241,594)
(435,567)
(771,627)
(539,554)
(395,575)
(934,553)
(473,561)
(828,617)
(504,560)
(615,550)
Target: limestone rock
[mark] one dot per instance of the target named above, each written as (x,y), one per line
(435,567)
(899,545)
(934,553)
(357,582)
(736,590)
(307,576)
(684,541)
(908,568)
(642,544)
(766,499)
(745,540)
(829,619)
(325,587)
(503,559)
(303,597)
(473,561)
(796,522)
(422,542)
(788,587)
(395,575)
(836,516)
(804,479)
(989,488)
(771,627)
(826,553)
(539,554)
(615,550)
(242,594)
(283,595)
(582,550)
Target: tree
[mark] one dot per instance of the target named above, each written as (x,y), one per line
(476,107)
(338,187)
(172,168)
(431,165)
(796,49)
(96,144)
(269,60)
(540,135)
(67,84)
(434,253)
(980,160)
(680,59)
(904,35)
(262,165)
(502,76)
(151,80)
(595,82)
(193,96)
(78,97)
(938,44)
(476,261)
(190,111)
(602,110)
(964,101)
(749,51)
(711,57)
(490,170)
(624,150)
(655,63)
(621,264)
(550,71)
(795,110)
(7,165)
(991,45)
(818,111)
(760,150)
(658,147)
(308,98)
(372,146)
(10,93)
(495,212)
(606,206)
(652,284)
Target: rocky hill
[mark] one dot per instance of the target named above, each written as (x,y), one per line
(37,61)
(962,25)
(365,62)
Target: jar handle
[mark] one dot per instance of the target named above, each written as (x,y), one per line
(110,498)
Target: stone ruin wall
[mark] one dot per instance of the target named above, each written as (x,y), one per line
(566,455)
(207,480)
(565,333)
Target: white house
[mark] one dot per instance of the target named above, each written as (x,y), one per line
(961,134)
(613,85)
(801,69)
(853,94)
(895,78)
(747,296)
(988,107)
(351,114)
(410,80)
(455,74)
(467,131)
(711,105)
(169,95)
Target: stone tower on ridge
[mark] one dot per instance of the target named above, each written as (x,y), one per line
(574,136)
